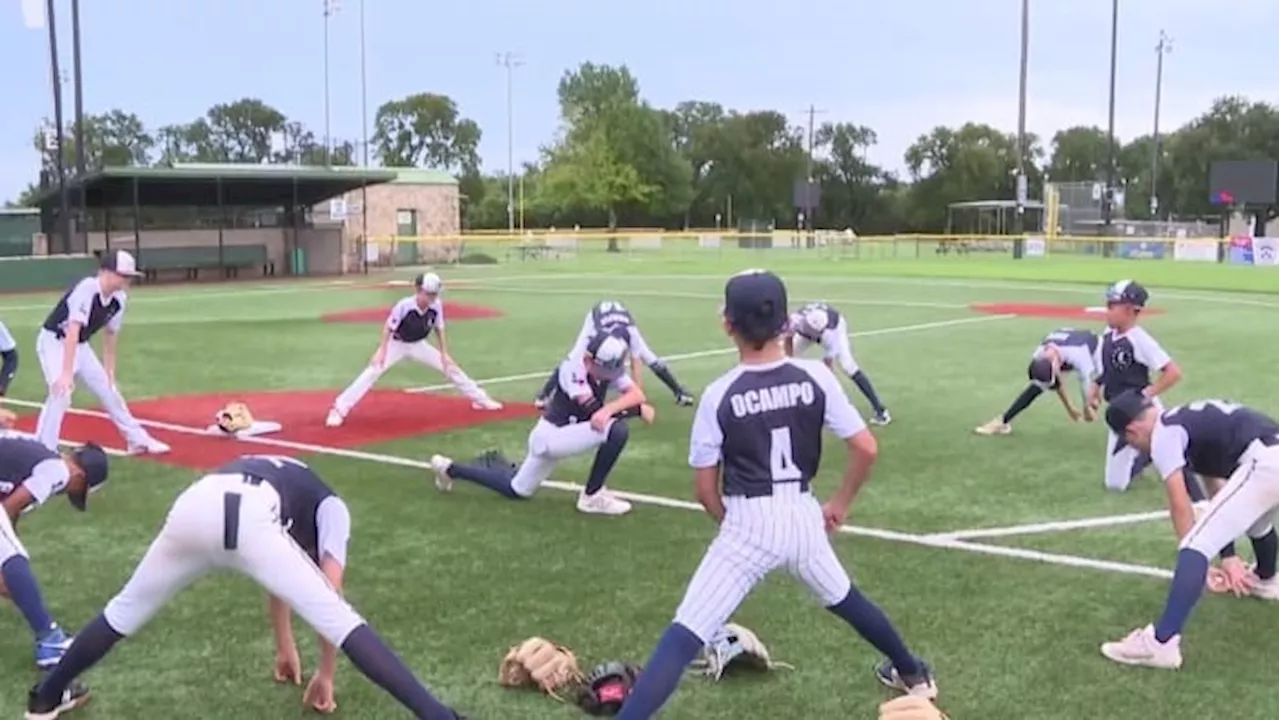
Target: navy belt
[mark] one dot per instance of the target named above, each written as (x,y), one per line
(765,490)
(1269,440)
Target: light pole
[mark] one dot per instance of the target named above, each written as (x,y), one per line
(1164,47)
(364,143)
(510,61)
(1020,182)
(1108,195)
(60,165)
(330,9)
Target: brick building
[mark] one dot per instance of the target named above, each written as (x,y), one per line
(414,218)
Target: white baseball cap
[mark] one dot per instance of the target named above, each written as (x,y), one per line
(609,352)
(120,262)
(428,282)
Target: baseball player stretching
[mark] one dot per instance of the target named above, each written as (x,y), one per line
(608,316)
(575,420)
(1219,440)
(93,304)
(755,446)
(270,518)
(1060,352)
(822,325)
(31,474)
(404,335)
(8,359)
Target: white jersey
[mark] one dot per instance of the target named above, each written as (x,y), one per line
(7,343)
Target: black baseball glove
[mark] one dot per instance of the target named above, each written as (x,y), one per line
(606,687)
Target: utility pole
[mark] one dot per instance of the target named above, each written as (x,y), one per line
(78,94)
(812,111)
(1164,47)
(510,61)
(1109,192)
(1020,187)
(364,144)
(330,9)
(60,165)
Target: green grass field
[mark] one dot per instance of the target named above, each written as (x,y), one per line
(1011,623)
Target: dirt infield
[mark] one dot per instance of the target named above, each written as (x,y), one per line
(383,416)
(1070,312)
(452,311)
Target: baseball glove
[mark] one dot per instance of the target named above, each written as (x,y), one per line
(540,663)
(606,687)
(233,418)
(733,644)
(909,707)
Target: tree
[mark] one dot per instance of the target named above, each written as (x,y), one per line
(243,131)
(856,194)
(1232,129)
(426,130)
(113,138)
(1079,155)
(587,175)
(974,162)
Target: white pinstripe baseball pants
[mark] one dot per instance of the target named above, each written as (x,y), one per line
(758,536)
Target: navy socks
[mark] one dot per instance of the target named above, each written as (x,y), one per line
(1020,403)
(496,480)
(91,645)
(1184,593)
(1264,555)
(868,390)
(384,668)
(661,674)
(869,621)
(607,456)
(25,592)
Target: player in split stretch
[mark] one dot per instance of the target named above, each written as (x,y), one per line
(1218,440)
(31,474)
(405,334)
(62,345)
(1126,357)
(8,359)
(270,518)
(576,419)
(822,325)
(609,316)
(1060,352)
(755,447)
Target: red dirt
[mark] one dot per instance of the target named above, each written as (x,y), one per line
(1072,312)
(452,311)
(382,416)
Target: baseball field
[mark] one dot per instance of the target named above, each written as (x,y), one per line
(1003,560)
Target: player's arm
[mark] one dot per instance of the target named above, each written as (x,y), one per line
(17,502)
(8,359)
(48,478)
(282,629)
(333,533)
(1169,455)
(109,340)
(630,396)
(1061,391)
(705,442)
(1148,351)
(78,304)
(842,419)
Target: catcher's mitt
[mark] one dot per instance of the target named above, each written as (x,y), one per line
(909,707)
(735,644)
(605,689)
(540,663)
(233,418)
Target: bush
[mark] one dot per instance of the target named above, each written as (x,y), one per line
(477,258)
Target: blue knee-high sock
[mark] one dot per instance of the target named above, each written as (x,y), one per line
(874,626)
(661,674)
(1194,489)
(1264,554)
(495,480)
(607,456)
(380,664)
(1184,593)
(868,390)
(91,645)
(1020,403)
(25,592)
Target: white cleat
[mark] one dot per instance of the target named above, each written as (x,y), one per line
(1265,589)
(334,419)
(995,427)
(150,446)
(1140,647)
(440,466)
(603,503)
(486,404)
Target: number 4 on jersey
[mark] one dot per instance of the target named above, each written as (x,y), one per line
(781,464)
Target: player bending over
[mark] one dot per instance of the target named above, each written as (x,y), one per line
(270,518)
(820,324)
(608,316)
(8,359)
(1218,440)
(1062,351)
(405,334)
(755,447)
(31,474)
(575,420)
(62,346)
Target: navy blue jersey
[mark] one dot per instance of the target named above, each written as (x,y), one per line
(83,303)
(410,323)
(609,315)
(301,491)
(1208,436)
(18,459)
(763,425)
(1127,359)
(578,395)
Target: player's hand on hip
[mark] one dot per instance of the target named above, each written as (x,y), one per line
(288,666)
(600,420)
(648,413)
(834,513)
(64,385)
(319,694)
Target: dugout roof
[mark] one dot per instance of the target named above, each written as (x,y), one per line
(213,185)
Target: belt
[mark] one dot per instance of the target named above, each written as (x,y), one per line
(1269,440)
(765,490)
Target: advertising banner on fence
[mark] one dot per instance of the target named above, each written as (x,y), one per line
(1195,251)
(1246,250)
(1034,247)
(1142,250)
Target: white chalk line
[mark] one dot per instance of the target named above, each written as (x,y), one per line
(727,351)
(661,501)
(1053,526)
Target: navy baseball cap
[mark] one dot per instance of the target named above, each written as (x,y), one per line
(93,461)
(1125,408)
(755,304)
(120,262)
(1128,292)
(1040,372)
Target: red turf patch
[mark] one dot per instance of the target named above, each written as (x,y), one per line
(382,416)
(1073,312)
(452,311)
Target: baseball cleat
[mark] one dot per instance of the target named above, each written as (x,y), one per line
(881,418)
(334,419)
(1268,589)
(486,404)
(603,503)
(150,446)
(51,646)
(684,399)
(994,427)
(1140,647)
(440,466)
(919,685)
(73,697)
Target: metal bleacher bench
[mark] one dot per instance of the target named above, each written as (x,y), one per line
(229,258)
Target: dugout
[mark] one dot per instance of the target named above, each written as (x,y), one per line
(197,221)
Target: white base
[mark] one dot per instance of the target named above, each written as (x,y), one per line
(259,427)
